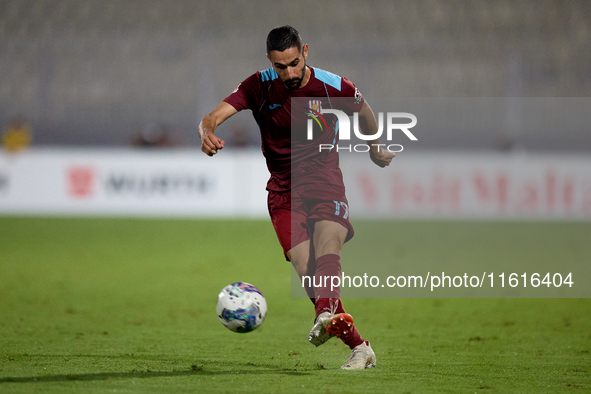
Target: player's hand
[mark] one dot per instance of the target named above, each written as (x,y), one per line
(210,144)
(381,157)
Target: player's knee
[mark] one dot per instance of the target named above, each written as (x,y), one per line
(329,246)
(329,237)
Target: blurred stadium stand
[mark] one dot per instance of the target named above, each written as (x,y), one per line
(94,72)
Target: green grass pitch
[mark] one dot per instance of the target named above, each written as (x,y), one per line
(128,306)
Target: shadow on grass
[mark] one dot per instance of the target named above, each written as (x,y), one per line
(154,374)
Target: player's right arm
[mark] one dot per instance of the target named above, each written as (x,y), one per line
(210,143)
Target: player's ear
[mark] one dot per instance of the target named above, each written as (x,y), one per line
(269,58)
(305,51)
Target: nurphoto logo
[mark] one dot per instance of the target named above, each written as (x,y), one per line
(316,112)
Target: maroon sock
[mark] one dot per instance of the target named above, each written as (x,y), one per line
(327,299)
(353,338)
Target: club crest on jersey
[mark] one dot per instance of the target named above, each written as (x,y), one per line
(315,111)
(358,96)
(315,105)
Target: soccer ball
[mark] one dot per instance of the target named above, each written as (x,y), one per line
(241,307)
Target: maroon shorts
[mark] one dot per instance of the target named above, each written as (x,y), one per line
(294,212)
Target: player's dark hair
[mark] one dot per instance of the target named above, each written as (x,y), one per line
(282,38)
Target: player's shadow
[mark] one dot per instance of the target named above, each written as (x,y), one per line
(148,374)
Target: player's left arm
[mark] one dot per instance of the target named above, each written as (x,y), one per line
(369,126)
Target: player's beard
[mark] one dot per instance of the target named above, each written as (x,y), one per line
(295,83)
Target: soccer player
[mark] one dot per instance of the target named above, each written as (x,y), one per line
(313,244)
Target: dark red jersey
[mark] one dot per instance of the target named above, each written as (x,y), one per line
(290,156)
